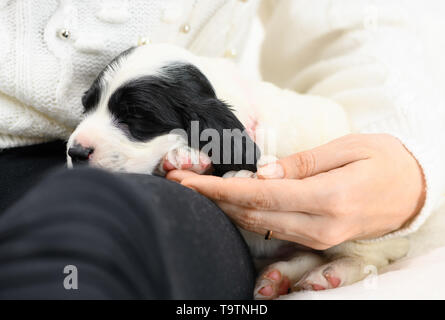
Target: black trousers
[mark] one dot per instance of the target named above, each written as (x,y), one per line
(128,236)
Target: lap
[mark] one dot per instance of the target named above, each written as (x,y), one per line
(130,236)
(21,168)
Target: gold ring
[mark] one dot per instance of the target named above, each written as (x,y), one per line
(268,235)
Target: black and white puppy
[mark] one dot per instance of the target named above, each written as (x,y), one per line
(135,117)
(159,107)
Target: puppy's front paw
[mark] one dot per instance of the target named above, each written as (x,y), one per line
(239,174)
(186,158)
(265,160)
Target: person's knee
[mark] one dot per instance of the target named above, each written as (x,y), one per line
(87,185)
(97,183)
(83,178)
(125,222)
(79,193)
(126,199)
(91,219)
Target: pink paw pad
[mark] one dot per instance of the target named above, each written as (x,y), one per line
(273,285)
(317,287)
(167,165)
(333,281)
(266,291)
(186,159)
(274,275)
(320,279)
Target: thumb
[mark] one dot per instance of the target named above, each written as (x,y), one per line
(297,166)
(332,155)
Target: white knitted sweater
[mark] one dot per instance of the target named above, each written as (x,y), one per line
(381,59)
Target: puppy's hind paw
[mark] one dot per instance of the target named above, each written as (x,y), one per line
(338,273)
(271,285)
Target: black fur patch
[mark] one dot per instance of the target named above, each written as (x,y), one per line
(154,105)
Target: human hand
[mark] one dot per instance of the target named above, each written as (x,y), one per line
(356,187)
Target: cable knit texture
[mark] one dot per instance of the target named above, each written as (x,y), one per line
(43,74)
(382,60)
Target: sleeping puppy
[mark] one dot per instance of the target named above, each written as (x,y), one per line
(157,108)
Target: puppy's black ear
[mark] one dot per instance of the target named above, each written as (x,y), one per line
(209,122)
(181,97)
(222,137)
(91,97)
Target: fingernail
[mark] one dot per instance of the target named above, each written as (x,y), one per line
(271,171)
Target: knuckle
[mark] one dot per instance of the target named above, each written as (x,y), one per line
(361,145)
(363,151)
(334,204)
(338,204)
(320,246)
(389,141)
(187,182)
(250,220)
(367,145)
(331,236)
(305,163)
(261,200)
(385,137)
(220,194)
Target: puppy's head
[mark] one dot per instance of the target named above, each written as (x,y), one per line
(151,100)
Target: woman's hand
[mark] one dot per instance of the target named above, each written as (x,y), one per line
(355,187)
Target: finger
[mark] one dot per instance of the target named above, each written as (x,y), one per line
(289,226)
(332,155)
(180,175)
(278,195)
(310,243)
(290,223)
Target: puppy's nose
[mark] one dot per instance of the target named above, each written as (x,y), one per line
(79,154)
